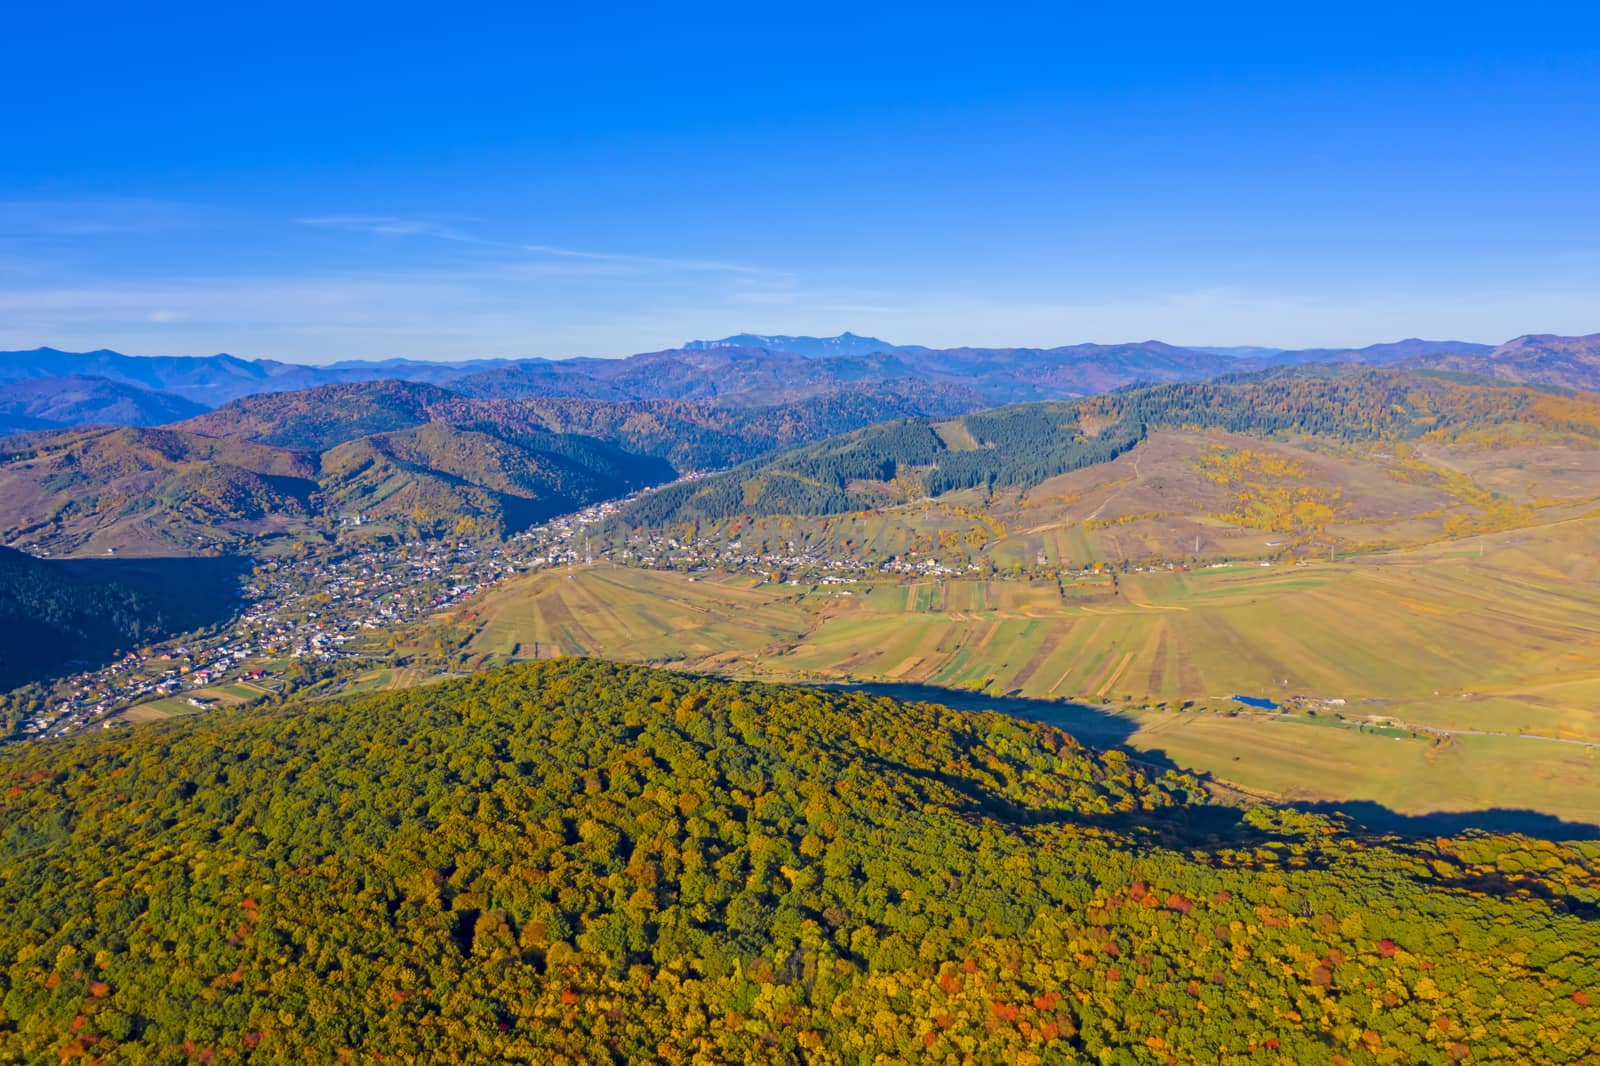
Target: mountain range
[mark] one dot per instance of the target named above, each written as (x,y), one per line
(45,388)
(212,380)
(175,491)
(1539,358)
(846,343)
(405,456)
(501,445)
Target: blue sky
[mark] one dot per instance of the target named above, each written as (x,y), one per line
(451,181)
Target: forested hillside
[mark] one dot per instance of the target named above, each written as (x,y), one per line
(1010,446)
(691,435)
(174,491)
(703,436)
(88,610)
(581,862)
(1026,444)
(424,460)
(492,480)
(318,418)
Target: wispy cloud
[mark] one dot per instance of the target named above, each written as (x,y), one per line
(393,226)
(70,277)
(664,262)
(598,262)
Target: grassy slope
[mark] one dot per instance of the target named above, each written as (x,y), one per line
(1154,502)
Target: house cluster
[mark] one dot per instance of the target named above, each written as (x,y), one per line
(826,566)
(314,608)
(796,564)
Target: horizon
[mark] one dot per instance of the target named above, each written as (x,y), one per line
(556,186)
(1233,350)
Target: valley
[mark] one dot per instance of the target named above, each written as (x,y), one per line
(1424,609)
(301,623)
(463,600)
(1394,570)
(1389,665)
(1330,626)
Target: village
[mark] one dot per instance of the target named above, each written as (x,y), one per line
(301,619)
(305,617)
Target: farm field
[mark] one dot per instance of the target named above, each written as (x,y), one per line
(386,680)
(1411,776)
(225,695)
(1453,638)
(634,615)
(1498,634)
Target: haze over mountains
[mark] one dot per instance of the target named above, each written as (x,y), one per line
(44,388)
(846,343)
(74,400)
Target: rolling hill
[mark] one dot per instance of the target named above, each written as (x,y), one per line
(491,480)
(576,861)
(697,436)
(174,491)
(411,454)
(1547,359)
(691,435)
(1022,446)
(318,418)
(147,490)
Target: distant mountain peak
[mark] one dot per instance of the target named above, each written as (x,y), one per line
(846,343)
